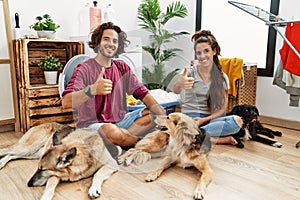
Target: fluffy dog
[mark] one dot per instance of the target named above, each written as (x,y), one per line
(66,155)
(252,128)
(151,146)
(185,146)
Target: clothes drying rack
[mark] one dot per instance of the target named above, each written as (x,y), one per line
(269,18)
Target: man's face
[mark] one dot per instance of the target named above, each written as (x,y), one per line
(109,43)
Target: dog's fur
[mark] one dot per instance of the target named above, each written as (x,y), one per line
(182,143)
(252,128)
(33,143)
(65,155)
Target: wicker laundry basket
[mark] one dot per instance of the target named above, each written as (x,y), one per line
(246,92)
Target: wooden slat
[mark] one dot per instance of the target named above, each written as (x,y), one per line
(54,101)
(42,92)
(61,119)
(35,53)
(48,111)
(5,61)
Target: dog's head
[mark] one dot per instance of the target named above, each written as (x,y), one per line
(184,130)
(53,162)
(247,112)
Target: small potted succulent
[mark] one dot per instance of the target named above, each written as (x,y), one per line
(50,66)
(45,27)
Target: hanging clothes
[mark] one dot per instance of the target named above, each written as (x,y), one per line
(290,61)
(233,67)
(288,82)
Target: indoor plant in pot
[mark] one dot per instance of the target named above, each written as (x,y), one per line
(153,20)
(45,27)
(50,66)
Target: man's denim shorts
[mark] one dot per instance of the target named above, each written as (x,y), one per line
(129,118)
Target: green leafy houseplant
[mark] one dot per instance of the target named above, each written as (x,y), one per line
(44,23)
(49,63)
(153,20)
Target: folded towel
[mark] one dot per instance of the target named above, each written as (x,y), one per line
(233,68)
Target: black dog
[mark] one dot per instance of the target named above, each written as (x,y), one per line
(252,127)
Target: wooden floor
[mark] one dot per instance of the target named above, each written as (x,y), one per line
(257,172)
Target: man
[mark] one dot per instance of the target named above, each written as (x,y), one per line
(98,90)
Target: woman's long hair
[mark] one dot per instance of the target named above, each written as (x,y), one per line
(216,91)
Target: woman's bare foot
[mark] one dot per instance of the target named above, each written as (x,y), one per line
(223,140)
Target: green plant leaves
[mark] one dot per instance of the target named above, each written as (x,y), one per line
(44,23)
(152,19)
(49,63)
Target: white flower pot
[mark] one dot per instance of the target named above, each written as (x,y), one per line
(46,34)
(50,77)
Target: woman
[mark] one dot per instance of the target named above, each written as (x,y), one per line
(203,90)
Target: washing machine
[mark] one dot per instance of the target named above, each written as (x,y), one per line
(133,56)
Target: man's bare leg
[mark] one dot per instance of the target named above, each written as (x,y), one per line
(143,124)
(118,136)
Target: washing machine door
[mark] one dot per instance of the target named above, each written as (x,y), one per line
(69,68)
(130,59)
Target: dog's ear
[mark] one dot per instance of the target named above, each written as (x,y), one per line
(256,110)
(175,117)
(55,139)
(66,158)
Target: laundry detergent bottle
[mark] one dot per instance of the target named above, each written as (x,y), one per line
(90,17)
(95,16)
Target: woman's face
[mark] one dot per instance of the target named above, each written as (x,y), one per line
(204,54)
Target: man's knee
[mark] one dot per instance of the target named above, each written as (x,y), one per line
(110,132)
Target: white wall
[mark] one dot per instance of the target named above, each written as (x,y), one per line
(238,38)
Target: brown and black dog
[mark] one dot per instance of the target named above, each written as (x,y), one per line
(65,155)
(179,142)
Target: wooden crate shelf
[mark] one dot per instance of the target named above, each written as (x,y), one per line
(38,102)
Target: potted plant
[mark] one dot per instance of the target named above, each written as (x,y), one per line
(45,27)
(153,20)
(50,66)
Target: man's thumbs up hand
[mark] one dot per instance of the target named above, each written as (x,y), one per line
(102,86)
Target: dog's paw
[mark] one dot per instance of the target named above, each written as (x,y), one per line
(199,194)
(121,159)
(126,158)
(240,145)
(141,158)
(277,133)
(94,192)
(152,177)
(277,144)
